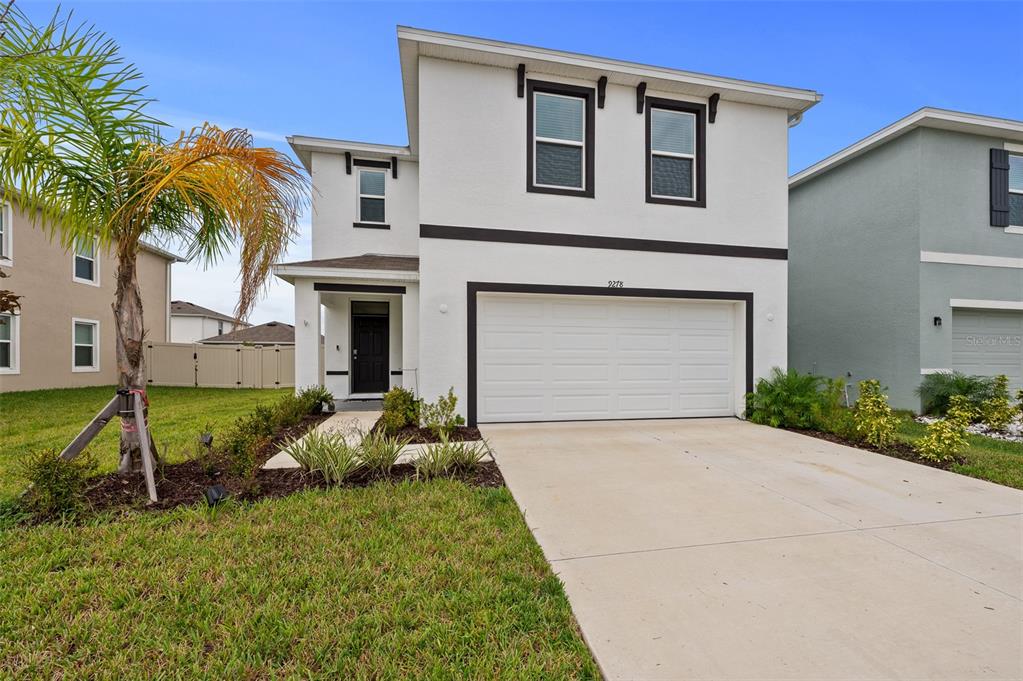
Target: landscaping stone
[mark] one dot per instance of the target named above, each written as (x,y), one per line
(1012,433)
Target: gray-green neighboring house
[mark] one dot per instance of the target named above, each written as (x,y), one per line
(906,254)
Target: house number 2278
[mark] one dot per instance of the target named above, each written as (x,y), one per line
(614,283)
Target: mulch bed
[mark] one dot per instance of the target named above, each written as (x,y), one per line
(185,483)
(898,450)
(421,436)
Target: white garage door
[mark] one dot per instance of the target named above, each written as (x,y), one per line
(563,358)
(988,342)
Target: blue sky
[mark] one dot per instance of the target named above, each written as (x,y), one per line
(331,69)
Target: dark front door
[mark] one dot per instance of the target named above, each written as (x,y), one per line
(369,354)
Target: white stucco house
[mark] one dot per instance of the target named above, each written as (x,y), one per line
(565,237)
(191,323)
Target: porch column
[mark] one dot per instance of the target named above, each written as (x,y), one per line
(308,369)
(410,337)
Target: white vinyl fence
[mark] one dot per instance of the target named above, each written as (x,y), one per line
(220,366)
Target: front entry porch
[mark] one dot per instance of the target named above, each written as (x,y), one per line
(367,310)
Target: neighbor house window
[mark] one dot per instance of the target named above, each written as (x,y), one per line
(5,234)
(86,263)
(85,345)
(8,344)
(220,328)
(675,152)
(371,196)
(560,139)
(1016,190)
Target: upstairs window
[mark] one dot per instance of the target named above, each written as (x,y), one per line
(84,345)
(560,139)
(220,328)
(675,152)
(86,264)
(1015,190)
(371,196)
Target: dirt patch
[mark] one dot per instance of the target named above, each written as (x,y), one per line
(185,483)
(898,450)
(421,436)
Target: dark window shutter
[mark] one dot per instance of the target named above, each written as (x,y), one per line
(999,188)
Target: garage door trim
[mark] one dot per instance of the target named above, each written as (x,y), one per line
(475,287)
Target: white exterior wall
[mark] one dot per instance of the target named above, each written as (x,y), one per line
(473,165)
(191,329)
(335,208)
(473,174)
(443,334)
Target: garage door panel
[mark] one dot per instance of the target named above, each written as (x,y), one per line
(544,357)
(650,404)
(562,373)
(659,372)
(644,342)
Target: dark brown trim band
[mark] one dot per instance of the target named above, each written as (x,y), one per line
(367,163)
(397,372)
(616,243)
(587,94)
(356,288)
(474,287)
(371,225)
(336,373)
(700,163)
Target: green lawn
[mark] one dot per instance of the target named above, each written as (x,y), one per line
(426,580)
(39,419)
(986,458)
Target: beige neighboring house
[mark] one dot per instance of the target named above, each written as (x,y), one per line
(270,333)
(64,335)
(191,323)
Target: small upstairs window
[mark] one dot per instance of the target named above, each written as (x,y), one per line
(1015,190)
(371,196)
(675,152)
(86,263)
(220,328)
(560,139)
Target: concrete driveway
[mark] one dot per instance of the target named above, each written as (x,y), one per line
(714,548)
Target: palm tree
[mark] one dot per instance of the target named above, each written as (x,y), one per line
(79,152)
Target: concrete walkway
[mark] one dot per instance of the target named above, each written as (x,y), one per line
(343,421)
(717,549)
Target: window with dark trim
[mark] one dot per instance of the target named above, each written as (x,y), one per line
(559,139)
(676,152)
(1015,190)
(371,196)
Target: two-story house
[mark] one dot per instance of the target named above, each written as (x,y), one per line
(565,237)
(64,336)
(906,254)
(191,323)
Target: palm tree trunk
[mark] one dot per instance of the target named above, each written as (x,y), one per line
(131,367)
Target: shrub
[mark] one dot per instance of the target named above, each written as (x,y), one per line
(440,416)
(874,419)
(997,411)
(313,398)
(328,454)
(238,448)
(57,485)
(379,452)
(1019,401)
(401,408)
(936,390)
(435,460)
(466,456)
(946,438)
(290,410)
(789,399)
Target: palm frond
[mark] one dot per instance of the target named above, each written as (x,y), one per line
(214,189)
